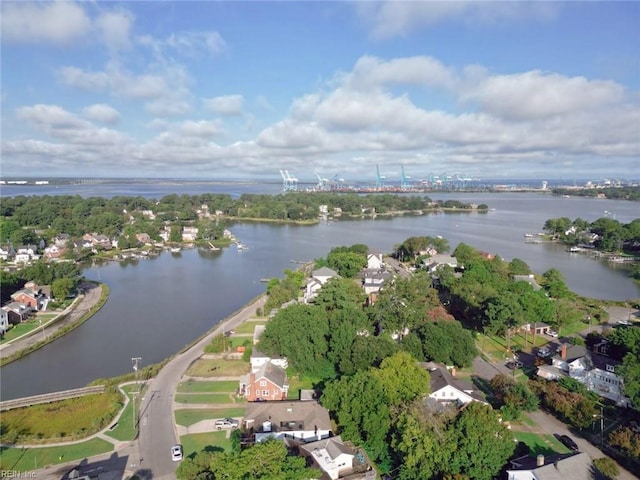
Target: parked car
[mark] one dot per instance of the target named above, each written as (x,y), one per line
(544,352)
(568,442)
(176,453)
(514,364)
(552,333)
(226,423)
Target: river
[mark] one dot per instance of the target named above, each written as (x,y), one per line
(159,305)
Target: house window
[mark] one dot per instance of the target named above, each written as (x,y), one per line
(257,393)
(263,383)
(265,393)
(275,392)
(610,368)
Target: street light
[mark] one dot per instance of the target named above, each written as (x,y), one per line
(135,361)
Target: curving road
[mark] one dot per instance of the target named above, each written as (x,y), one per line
(157,431)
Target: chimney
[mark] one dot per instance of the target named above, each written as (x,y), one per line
(453,371)
(540,460)
(563,351)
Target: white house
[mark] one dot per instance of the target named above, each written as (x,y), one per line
(373,280)
(331,456)
(374,261)
(258,359)
(189,234)
(574,466)
(318,278)
(306,421)
(439,260)
(4,321)
(447,389)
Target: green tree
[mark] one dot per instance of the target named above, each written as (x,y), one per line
(339,293)
(403,380)
(61,288)
(607,467)
(347,264)
(554,284)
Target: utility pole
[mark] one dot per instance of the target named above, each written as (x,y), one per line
(135,361)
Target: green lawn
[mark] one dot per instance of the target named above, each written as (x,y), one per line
(196,442)
(19,330)
(206,398)
(297,383)
(28,459)
(248,327)
(541,444)
(194,386)
(125,430)
(218,368)
(187,417)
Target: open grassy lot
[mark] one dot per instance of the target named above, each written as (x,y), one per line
(194,386)
(28,459)
(65,420)
(538,443)
(125,428)
(19,330)
(248,327)
(235,342)
(297,383)
(207,398)
(187,417)
(218,368)
(196,442)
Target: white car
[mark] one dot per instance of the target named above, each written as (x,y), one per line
(552,333)
(227,423)
(176,453)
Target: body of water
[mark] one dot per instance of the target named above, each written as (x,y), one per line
(158,306)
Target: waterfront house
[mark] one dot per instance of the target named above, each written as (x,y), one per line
(54,251)
(438,261)
(189,234)
(17,312)
(258,359)
(373,280)
(374,261)
(144,238)
(306,421)
(337,459)
(318,278)
(4,321)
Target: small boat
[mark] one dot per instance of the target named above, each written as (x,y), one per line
(175,249)
(528,235)
(241,246)
(574,249)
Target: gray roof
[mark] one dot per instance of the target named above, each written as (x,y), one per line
(440,378)
(275,374)
(558,467)
(307,415)
(334,445)
(324,272)
(573,353)
(529,279)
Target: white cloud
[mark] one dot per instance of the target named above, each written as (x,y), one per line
(391,18)
(225,105)
(202,128)
(59,22)
(114,27)
(101,112)
(188,43)
(51,117)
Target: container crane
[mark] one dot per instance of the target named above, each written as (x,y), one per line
(379,178)
(404,184)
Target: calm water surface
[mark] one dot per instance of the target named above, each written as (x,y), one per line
(158,306)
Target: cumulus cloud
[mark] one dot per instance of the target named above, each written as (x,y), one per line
(225,105)
(391,18)
(59,22)
(101,112)
(115,27)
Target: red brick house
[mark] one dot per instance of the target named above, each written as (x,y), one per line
(26,296)
(268,383)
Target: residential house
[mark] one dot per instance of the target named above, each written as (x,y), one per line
(269,382)
(258,359)
(445,388)
(537,328)
(306,421)
(61,239)
(429,252)
(375,261)
(189,234)
(16,312)
(54,251)
(337,459)
(373,280)
(438,261)
(574,466)
(530,279)
(596,372)
(149,214)
(26,296)
(258,330)
(318,278)
(95,241)
(4,321)
(7,252)
(144,238)
(26,253)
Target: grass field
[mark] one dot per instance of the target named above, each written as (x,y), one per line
(206,398)
(19,330)
(541,444)
(196,442)
(248,327)
(65,420)
(125,429)
(194,386)
(187,417)
(299,383)
(218,368)
(33,458)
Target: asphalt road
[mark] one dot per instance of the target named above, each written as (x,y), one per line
(157,432)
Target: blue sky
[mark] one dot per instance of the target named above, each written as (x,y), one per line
(240,90)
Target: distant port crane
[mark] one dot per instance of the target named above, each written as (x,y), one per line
(289,183)
(379,178)
(404,184)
